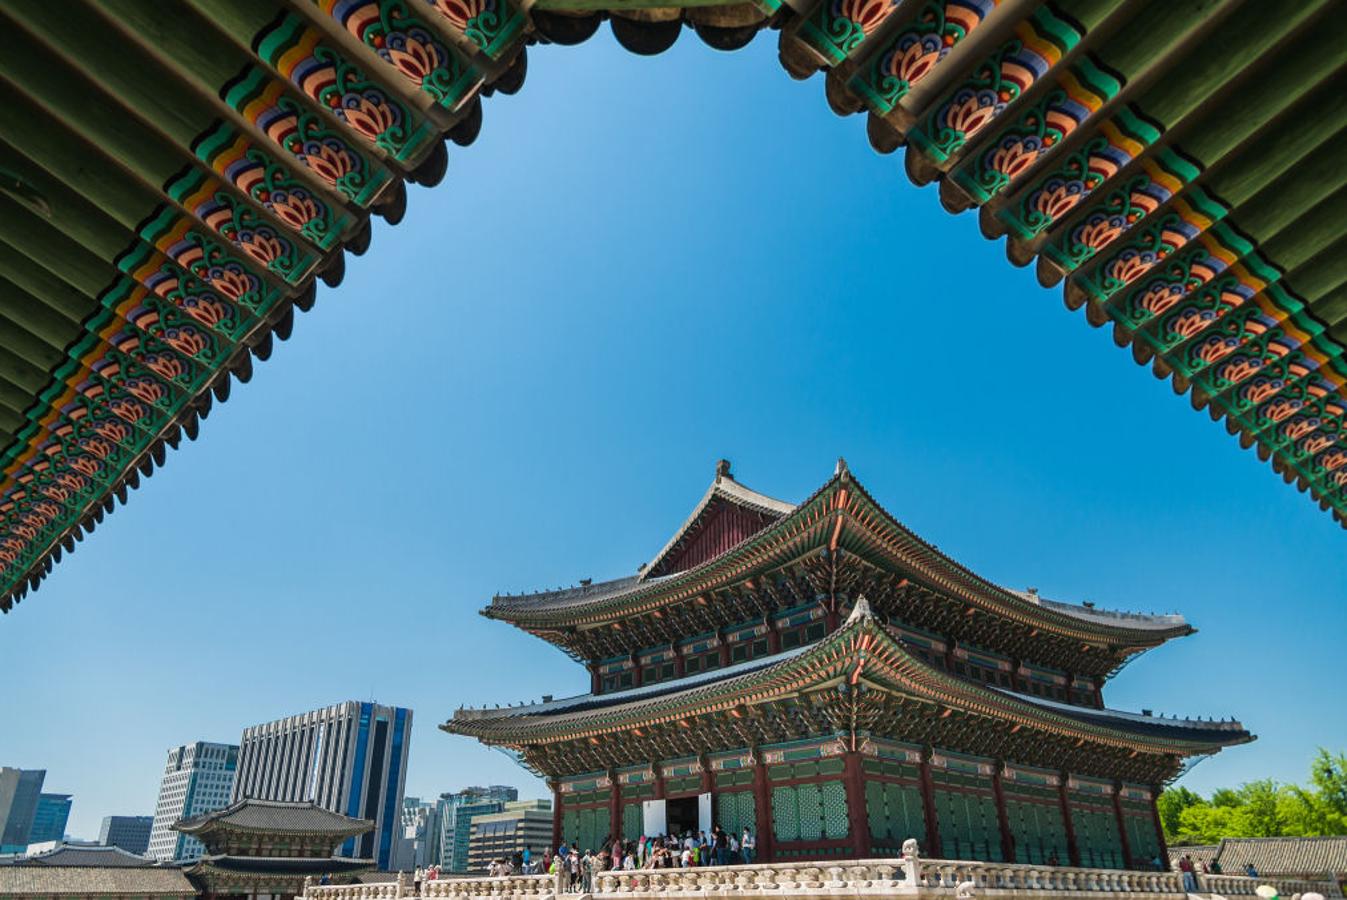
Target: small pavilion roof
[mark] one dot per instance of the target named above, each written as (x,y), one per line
(884,536)
(275,817)
(862,649)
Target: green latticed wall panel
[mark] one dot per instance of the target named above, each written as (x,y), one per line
(1142,838)
(632,821)
(968,826)
(735,811)
(1038,830)
(810,812)
(895,814)
(1097,837)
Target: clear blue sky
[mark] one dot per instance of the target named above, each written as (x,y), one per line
(641,266)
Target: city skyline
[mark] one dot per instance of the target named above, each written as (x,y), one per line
(300,594)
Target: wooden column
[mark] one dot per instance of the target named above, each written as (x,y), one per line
(1099,692)
(1016,684)
(1002,817)
(708,785)
(762,809)
(614,808)
(595,680)
(556,814)
(858,822)
(659,783)
(773,634)
(949,654)
(932,848)
(724,649)
(1072,848)
(636,670)
(1159,827)
(680,664)
(1122,825)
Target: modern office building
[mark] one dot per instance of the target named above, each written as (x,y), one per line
(198,778)
(413,844)
(350,758)
(49,821)
(131,833)
(450,826)
(521,825)
(20,790)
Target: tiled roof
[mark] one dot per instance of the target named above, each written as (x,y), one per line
(331,865)
(1199,853)
(274,816)
(1285,855)
(100,880)
(86,856)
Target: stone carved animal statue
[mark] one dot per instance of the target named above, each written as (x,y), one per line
(965,891)
(910,850)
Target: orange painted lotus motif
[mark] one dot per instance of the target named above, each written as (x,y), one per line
(913,62)
(866,14)
(414,58)
(329,163)
(1218,347)
(1236,371)
(1013,159)
(166,366)
(369,118)
(1190,321)
(461,12)
(1280,409)
(231,282)
(1262,389)
(56,492)
(969,112)
(1100,232)
(187,341)
(1057,199)
(295,209)
(1131,266)
(128,410)
(1316,443)
(262,246)
(1299,427)
(113,431)
(144,389)
(206,310)
(1334,461)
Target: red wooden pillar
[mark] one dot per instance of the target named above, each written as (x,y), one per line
(659,783)
(1122,825)
(595,680)
(858,822)
(1016,683)
(1159,827)
(680,667)
(556,814)
(1002,817)
(932,848)
(1072,848)
(762,809)
(614,808)
(636,670)
(949,654)
(1098,692)
(724,649)
(773,634)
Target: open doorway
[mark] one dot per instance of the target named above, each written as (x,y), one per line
(682,815)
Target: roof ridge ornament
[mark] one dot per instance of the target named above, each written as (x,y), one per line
(860,611)
(841,469)
(723,470)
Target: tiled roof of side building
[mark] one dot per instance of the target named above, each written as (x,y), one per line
(1199,853)
(275,816)
(1285,855)
(87,856)
(102,881)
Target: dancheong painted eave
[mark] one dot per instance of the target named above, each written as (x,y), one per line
(173,179)
(839,528)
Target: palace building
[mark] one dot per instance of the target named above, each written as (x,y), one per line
(823,676)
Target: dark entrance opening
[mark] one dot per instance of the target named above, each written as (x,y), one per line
(681,815)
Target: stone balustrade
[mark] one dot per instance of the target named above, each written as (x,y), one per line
(922,879)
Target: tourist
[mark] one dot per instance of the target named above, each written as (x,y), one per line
(734,849)
(325,879)
(573,864)
(747,844)
(1215,867)
(417,875)
(1250,871)
(1189,874)
(722,847)
(1053,860)
(587,873)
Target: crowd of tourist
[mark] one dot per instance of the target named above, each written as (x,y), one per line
(577,869)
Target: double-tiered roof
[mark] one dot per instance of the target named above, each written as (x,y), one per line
(839,550)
